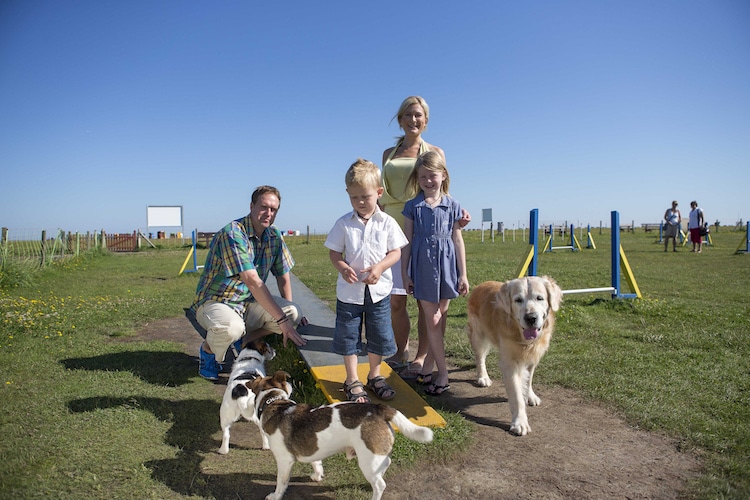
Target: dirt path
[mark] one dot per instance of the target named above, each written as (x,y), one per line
(576,449)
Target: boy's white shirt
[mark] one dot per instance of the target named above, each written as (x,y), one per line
(364,245)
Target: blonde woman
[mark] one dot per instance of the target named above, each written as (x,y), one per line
(398,164)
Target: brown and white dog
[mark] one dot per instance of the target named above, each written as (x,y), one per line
(300,432)
(239,399)
(517,317)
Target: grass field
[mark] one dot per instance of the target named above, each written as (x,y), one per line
(84,416)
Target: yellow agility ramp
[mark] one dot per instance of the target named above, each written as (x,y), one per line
(407,401)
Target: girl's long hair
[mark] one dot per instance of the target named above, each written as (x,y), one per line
(433,162)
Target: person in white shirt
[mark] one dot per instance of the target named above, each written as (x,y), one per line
(363,245)
(673,218)
(695,224)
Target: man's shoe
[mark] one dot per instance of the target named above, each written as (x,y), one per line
(237,347)
(209,368)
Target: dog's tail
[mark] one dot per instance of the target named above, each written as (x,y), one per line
(411,430)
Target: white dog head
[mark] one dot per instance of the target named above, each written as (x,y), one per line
(530,300)
(251,350)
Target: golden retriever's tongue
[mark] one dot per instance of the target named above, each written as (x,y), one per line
(530,333)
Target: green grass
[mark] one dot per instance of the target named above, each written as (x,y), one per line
(84,415)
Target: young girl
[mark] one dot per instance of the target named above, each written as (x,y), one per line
(434,263)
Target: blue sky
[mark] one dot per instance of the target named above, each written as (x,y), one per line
(574,107)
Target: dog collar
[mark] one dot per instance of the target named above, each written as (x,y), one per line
(249,375)
(268,401)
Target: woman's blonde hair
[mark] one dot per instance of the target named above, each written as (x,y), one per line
(413,99)
(363,173)
(432,161)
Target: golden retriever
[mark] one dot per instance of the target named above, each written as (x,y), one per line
(517,317)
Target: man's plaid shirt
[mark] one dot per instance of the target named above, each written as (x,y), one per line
(236,248)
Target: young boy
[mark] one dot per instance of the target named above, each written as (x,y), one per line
(363,245)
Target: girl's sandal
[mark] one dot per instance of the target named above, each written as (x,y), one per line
(380,387)
(356,397)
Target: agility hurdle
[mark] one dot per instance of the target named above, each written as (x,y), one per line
(194,254)
(618,261)
(708,241)
(574,244)
(590,239)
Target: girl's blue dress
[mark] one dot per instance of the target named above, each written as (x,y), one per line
(434,264)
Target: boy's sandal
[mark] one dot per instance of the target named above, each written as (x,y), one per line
(380,387)
(424,379)
(356,396)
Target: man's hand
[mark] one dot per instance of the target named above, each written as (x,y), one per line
(290,333)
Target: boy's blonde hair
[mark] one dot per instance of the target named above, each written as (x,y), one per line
(433,161)
(363,173)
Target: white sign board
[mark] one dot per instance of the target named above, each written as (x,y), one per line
(487,217)
(164,216)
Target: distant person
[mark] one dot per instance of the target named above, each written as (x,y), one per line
(434,262)
(232,300)
(672,227)
(696,223)
(363,246)
(398,165)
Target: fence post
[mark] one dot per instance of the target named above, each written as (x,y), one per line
(104,240)
(3,246)
(44,248)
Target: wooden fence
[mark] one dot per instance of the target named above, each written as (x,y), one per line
(61,245)
(121,242)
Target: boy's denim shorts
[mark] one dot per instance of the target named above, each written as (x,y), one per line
(377,324)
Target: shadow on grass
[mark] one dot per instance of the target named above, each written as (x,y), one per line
(191,435)
(187,478)
(171,369)
(195,469)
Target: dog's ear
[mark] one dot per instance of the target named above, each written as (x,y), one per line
(256,383)
(502,297)
(259,345)
(554,293)
(281,377)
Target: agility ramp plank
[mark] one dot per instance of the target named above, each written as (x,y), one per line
(407,401)
(328,369)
